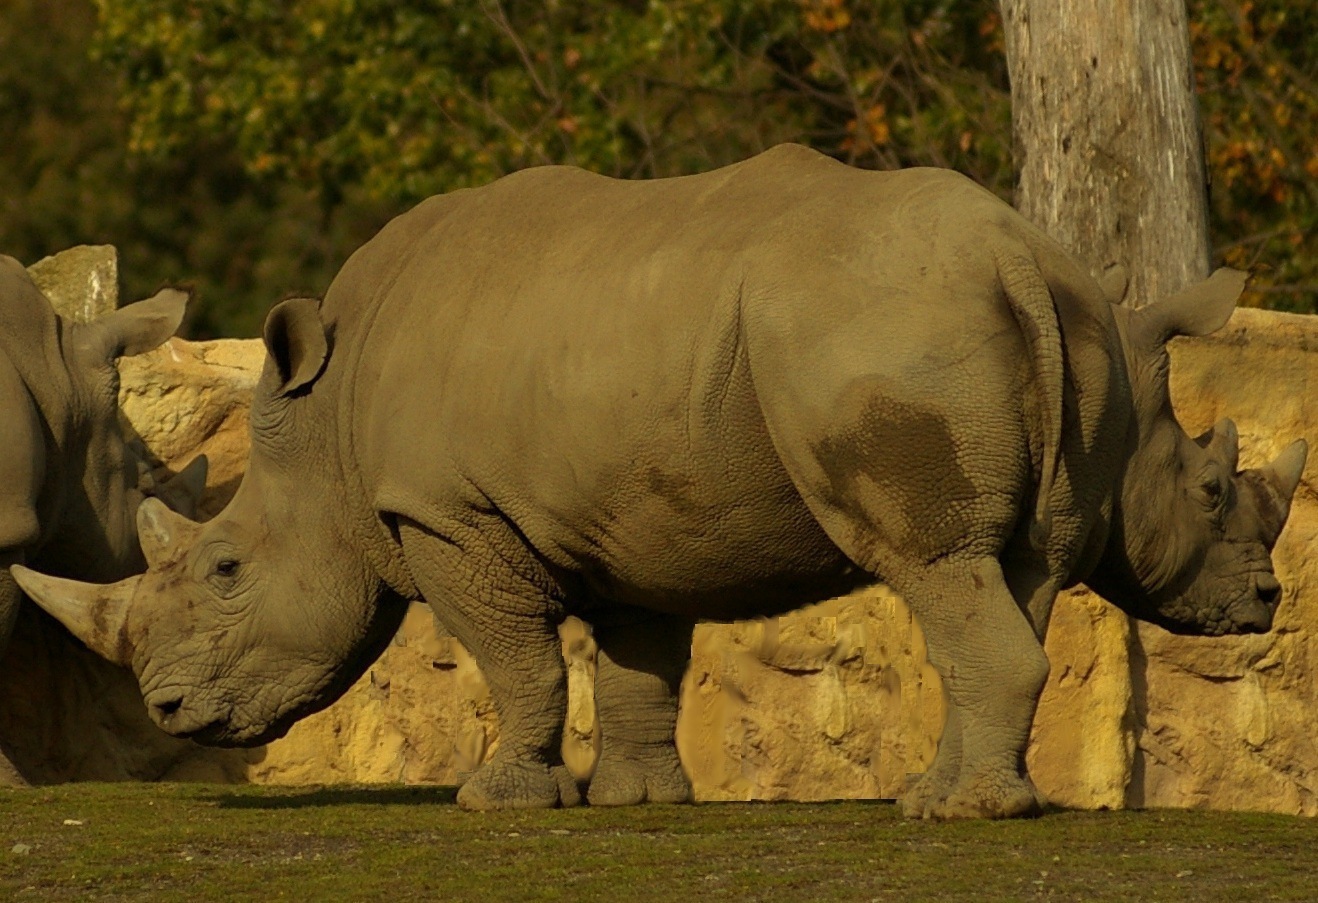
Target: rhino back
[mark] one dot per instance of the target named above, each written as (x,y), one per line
(593,358)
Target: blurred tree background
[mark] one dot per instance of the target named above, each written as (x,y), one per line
(248,146)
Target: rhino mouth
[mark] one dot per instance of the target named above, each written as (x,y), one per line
(1250,613)
(171,713)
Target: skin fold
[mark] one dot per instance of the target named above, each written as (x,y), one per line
(714,397)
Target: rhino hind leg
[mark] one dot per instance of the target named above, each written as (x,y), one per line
(993,669)
(638,678)
(509,624)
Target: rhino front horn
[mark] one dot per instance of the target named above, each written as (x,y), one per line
(1281,478)
(97,615)
(1285,472)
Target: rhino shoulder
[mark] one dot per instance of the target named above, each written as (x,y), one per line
(22,461)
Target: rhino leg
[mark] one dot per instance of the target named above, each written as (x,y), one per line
(929,791)
(639,675)
(993,669)
(488,599)
(10,599)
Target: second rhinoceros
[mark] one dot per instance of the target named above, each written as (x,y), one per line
(713,397)
(69,482)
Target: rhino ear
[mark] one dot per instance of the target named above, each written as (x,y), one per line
(1115,282)
(1199,310)
(135,328)
(295,339)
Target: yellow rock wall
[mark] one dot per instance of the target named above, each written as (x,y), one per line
(833,701)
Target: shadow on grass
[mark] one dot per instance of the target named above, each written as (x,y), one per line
(341,796)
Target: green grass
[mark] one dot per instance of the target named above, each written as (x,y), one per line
(217,843)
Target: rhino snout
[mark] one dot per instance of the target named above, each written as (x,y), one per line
(170,713)
(1255,615)
(1269,590)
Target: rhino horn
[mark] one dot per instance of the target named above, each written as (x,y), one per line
(1285,472)
(1224,440)
(162,533)
(1282,476)
(97,615)
(182,492)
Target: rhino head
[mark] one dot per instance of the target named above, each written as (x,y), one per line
(266,613)
(1191,535)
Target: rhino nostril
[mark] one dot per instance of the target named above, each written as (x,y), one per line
(1269,590)
(168,707)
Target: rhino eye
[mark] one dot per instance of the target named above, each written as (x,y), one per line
(226,567)
(1213,491)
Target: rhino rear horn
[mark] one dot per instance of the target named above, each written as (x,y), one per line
(1224,440)
(182,492)
(97,615)
(162,533)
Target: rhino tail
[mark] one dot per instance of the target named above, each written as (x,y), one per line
(1032,305)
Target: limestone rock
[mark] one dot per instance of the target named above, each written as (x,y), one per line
(82,283)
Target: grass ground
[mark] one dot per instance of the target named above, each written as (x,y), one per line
(200,843)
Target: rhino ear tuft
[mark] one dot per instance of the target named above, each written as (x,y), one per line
(1201,309)
(136,328)
(296,342)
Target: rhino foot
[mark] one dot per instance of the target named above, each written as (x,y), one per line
(989,794)
(925,792)
(629,782)
(519,785)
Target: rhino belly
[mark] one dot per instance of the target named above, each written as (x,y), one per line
(749,548)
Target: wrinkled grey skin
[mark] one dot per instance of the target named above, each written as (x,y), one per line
(717,397)
(68,481)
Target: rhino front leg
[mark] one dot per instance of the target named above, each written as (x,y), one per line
(508,621)
(993,669)
(639,675)
(10,599)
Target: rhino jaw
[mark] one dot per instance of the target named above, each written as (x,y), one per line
(97,615)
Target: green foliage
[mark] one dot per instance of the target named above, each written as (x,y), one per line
(407,100)
(1257,69)
(66,178)
(250,146)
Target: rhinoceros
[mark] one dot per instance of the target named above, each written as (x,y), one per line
(69,482)
(720,396)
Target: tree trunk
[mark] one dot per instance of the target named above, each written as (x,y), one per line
(1107,136)
(1110,157)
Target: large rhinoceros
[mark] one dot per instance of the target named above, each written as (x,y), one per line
(713,397)
(69,483)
